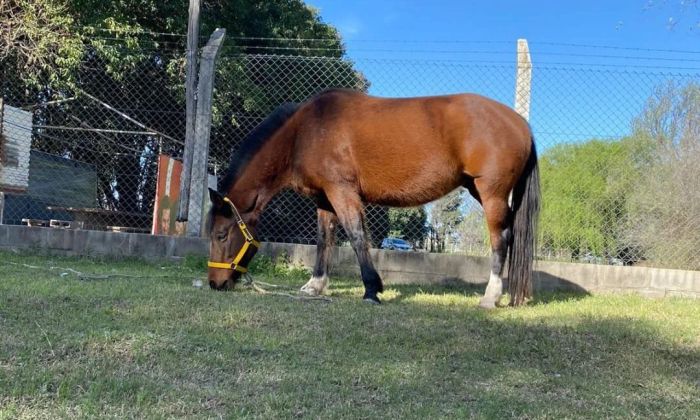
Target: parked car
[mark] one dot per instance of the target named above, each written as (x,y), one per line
(396,244)
(593,259)
(615,261)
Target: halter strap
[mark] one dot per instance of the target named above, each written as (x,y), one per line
(239,219)
(249,241)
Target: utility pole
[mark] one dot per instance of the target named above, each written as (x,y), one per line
(523,79)
(200,153)
(191,107)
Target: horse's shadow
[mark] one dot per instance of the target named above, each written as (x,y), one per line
(550,288)
(547,288)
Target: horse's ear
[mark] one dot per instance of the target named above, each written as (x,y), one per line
(217,200)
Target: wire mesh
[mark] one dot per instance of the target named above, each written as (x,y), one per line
(619,149)
(85,155)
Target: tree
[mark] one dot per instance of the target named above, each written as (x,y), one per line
(664,207)
(678,14)
(409,224)
(584,191)
(121,52)
(473,232)
(445,217)
(38,43)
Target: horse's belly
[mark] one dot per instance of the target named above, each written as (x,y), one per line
(400,189)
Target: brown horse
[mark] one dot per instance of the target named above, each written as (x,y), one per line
(344,149)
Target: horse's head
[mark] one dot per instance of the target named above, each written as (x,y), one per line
(232,242)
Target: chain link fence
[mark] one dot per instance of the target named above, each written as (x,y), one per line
(84,155)
(619,150)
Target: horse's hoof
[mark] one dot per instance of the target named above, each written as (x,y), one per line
(309,291)
(315,287)
(487,304)
(372,300)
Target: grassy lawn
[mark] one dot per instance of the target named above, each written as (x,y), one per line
(157,347)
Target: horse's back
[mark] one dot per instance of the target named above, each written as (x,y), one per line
(408,151)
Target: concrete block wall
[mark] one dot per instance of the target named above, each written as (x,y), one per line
(395,267)
(99,243)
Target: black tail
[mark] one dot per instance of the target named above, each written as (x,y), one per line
(526,208)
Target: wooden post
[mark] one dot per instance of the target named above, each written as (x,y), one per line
(191,108)
(200,153)
(522,81)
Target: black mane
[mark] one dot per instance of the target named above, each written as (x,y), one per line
(254,141)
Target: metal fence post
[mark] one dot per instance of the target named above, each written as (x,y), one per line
(200,153)
(191,108)
(2,129)
(522,81)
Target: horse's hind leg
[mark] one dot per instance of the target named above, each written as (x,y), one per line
(348,206)
(497,214)
(327,221)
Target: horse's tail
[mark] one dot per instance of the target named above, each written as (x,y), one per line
(526,208)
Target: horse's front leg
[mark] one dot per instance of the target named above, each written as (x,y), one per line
(327,221)
(348,207)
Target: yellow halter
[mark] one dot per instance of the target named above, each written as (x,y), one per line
(250,241)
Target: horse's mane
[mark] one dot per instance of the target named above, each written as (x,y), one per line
(252,143)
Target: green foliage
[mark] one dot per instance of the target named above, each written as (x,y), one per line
(38,43)
(635,198)
(445,216)
(195,262)
(281,266)
(408,223)
(124,53)
(584,190)
(47,39)
(121,52)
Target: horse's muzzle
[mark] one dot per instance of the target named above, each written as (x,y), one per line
(226,285)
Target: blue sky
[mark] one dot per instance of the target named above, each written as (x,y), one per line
(629,23)
(595,88)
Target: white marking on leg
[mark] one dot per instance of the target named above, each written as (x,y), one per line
(315,286)
(493,293)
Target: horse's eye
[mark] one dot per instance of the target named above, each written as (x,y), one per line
(221,236)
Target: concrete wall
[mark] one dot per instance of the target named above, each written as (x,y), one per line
(98,243)
(395,267)
(425,268)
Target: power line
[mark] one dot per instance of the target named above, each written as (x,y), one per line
(89,149)
(391,41)
(132,31)
(413,51)
(259,38)
(611,47)
(343,47)
(71,142)
(406,41)
(388,41)
(454,61)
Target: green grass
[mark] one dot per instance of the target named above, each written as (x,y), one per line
(156,347)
